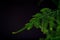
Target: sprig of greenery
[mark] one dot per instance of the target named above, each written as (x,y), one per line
(42,19)
(47,16)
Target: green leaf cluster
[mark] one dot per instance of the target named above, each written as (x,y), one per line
(47,20)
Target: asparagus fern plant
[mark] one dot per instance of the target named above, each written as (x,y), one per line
(44,18)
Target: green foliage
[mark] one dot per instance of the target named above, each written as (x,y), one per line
(48,17)
(42,20)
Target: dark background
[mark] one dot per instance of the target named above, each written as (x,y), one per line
(15,14)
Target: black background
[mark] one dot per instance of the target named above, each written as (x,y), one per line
(15,14)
